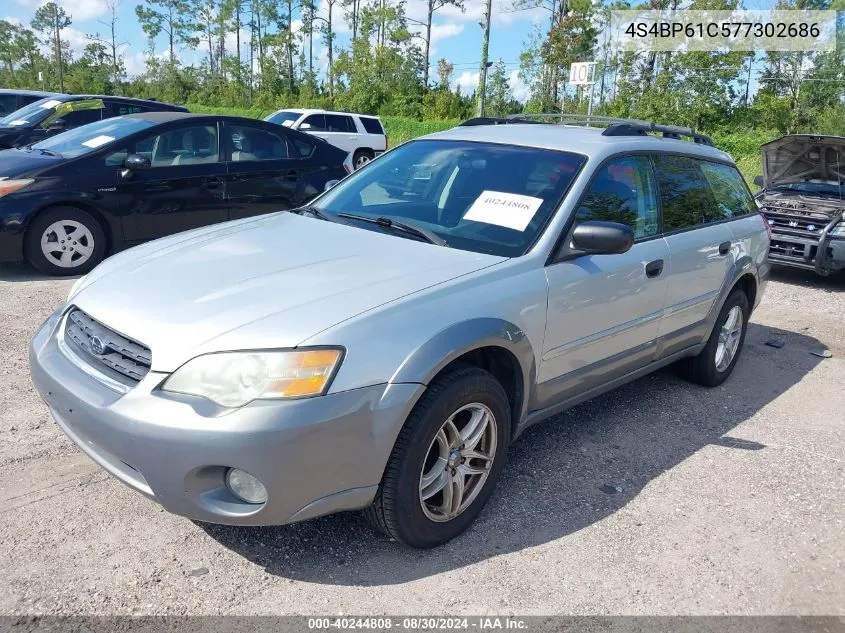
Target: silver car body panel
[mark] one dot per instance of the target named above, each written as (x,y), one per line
(401,309)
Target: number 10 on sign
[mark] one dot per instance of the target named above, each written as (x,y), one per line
(581,74)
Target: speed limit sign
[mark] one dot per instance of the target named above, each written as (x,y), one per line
(581,73)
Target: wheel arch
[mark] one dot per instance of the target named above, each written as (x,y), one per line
(494,345)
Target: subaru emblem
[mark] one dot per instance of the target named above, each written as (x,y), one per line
(97,345)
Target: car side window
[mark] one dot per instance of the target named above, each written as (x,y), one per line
(144,147)
(317,123)
(623,191)
(120,109)
(339,123)
(371,125)
(729,190)
(8,103)
(301,147)
(685,194)
(193,145)
(247,143)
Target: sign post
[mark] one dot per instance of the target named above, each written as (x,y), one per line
(583,74)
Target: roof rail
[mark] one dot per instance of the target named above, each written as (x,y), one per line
(613,126)
(491,120)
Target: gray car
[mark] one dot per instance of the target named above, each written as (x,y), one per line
(382,347)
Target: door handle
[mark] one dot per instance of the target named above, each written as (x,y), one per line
(213,183)
(724,248)
(292,175)
(653,269)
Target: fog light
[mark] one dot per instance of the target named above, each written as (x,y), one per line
(245,487)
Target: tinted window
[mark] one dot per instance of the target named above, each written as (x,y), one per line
(301,147)
(685,194)
(117,108)
(8,103)
(731,193)
(76,118)
(317,122)
(192,145)
(623,191)
(372,126)
(339,123)
(250,143)
(32,113)
(480,197)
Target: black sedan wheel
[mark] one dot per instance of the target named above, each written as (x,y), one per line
(64,241)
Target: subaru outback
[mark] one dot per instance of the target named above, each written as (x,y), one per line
(380,348)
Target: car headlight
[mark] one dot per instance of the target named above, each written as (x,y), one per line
(8,186)
(233,379)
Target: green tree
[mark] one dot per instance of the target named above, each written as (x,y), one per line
(49,20)
(173,18)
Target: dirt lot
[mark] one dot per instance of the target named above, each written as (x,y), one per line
(661,498)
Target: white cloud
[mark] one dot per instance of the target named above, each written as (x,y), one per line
(518,87)
(78,10)
(468,81)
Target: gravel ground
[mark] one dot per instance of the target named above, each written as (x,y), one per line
(660,498)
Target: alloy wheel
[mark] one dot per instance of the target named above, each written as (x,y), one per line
(458,462)
(729,337)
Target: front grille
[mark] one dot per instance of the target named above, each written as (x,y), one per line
(799,225)
(104,349)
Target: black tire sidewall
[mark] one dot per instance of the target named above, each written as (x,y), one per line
(714,376)
(475,386)
(32,240)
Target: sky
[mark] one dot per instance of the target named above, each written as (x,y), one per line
(456,35)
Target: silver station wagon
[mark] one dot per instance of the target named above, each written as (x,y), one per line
(380,348)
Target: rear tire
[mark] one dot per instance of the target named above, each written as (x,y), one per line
(64,241)
(439,477)
(716,361)
(361,158)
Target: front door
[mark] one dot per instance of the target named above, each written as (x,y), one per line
(264,172)
(183,188)
(604,311)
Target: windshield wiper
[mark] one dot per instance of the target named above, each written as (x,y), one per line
(314,211)
(48,152)
(387,223)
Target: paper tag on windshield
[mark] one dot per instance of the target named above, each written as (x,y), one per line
(49,105)
(510,210)
(98,140)
(19,122)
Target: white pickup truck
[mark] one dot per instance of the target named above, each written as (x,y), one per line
(361,135)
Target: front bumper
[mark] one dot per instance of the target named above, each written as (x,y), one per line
(315,456)
(822,252)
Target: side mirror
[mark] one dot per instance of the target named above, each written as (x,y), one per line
(305,126)
(758,180)
(329,184)
(136,161)
(600,238)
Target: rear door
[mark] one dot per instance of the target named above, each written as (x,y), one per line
(184,187)
(338,129)
(375,137)
(701,246)
(265,172)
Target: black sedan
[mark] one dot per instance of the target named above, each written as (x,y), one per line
(59,113)
(67,201)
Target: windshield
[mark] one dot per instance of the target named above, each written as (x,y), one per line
(479,197)
(30,114)
(283,117)
(87,138)
(818,188)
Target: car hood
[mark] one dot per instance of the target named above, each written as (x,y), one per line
(269,282)
(16,162)
(804,158)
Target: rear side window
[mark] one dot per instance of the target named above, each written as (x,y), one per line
(732,196)
(302,148)
(8,103)
(247,143)
(685,194)
(623,191)
(372,126)
(120,109)
(340,123)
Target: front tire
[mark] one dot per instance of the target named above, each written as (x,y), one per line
(446,460)
(64,241)
(712,366)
